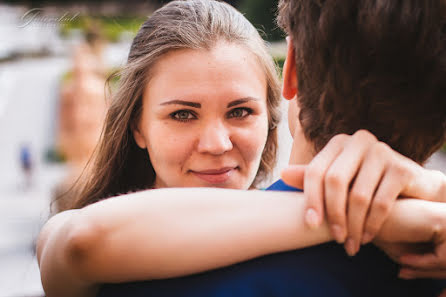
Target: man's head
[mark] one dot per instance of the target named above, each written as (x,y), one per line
(368,64)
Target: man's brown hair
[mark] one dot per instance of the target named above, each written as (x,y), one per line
(371,64)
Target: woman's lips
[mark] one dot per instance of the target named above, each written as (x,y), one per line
(215,176)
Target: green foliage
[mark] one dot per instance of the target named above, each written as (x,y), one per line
(68,76)
(54,156)
(279,62)
(262,14)
(110,28)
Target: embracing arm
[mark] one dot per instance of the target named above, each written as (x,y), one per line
(54,254)
(414,221)
(166,233)
(172,232)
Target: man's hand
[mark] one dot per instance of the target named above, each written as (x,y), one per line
(414,235)
(355,180)
(427,265)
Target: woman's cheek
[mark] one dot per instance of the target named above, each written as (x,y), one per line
(253,139)
(170,145)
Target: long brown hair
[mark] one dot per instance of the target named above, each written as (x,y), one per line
(119,165)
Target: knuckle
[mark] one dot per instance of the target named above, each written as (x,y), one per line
(359,198)
(400,171)
(381,149)
(334,180)
(336,216)
(339,138)
(365,135)
(382,207)
(313,172)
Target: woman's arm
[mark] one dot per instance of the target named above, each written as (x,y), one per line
(172,232)
(166,233)
(58,277)
(415,221)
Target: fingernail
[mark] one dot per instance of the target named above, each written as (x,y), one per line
(312,218)
(350,246)
(337,233)
(367,238)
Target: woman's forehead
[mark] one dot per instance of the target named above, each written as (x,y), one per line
(226,71)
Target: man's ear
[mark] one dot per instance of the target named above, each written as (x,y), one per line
(138,136)
(289,72)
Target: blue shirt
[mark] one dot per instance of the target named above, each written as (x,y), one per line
(323,270)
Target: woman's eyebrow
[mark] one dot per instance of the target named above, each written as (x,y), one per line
(241,101)
(198,105)
(182,102)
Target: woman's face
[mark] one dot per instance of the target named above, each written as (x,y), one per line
(204,119)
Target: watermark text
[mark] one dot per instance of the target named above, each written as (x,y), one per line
(37,17)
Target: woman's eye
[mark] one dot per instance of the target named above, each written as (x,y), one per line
(240,112)
(182,115)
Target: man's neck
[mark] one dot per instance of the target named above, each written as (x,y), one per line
(302,151)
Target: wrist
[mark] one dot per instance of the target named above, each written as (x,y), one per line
(413,220)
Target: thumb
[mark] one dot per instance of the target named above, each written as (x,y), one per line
(293,175)
(426,184)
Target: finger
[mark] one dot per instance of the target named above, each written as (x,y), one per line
(443,294)
(388,190)
(428,261)
(360,198)
(293,176)
(409,273)
(314,176)
(338,179)
(424,184)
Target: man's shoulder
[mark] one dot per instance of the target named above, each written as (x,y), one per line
(280,185)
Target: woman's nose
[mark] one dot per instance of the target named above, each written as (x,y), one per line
(214,139)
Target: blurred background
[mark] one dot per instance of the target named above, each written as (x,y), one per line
(54,59)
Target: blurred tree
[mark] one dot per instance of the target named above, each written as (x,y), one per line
(262,13)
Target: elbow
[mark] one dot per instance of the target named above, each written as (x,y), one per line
(82,241)
(65,247)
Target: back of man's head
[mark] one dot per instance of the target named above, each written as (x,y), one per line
(371,64)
